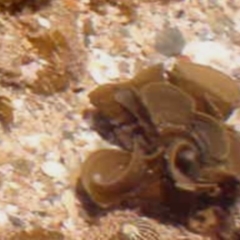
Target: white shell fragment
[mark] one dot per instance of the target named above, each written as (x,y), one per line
(54,169)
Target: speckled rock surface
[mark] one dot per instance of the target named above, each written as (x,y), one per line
(41,155)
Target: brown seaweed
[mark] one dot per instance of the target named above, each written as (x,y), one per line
(210,88)
(111,177)
(16,6)
(166,104)
(181,151)
(6,112)
(213,221)
(53,77)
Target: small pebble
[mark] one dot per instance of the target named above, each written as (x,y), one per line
(169,41)
(54,169)
(44,22)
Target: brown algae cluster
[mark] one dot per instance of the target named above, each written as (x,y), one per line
(14,6)
(52,47)
(9,3)
(6,112)
(176,149)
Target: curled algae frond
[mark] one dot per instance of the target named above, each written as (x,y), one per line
(207,86)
